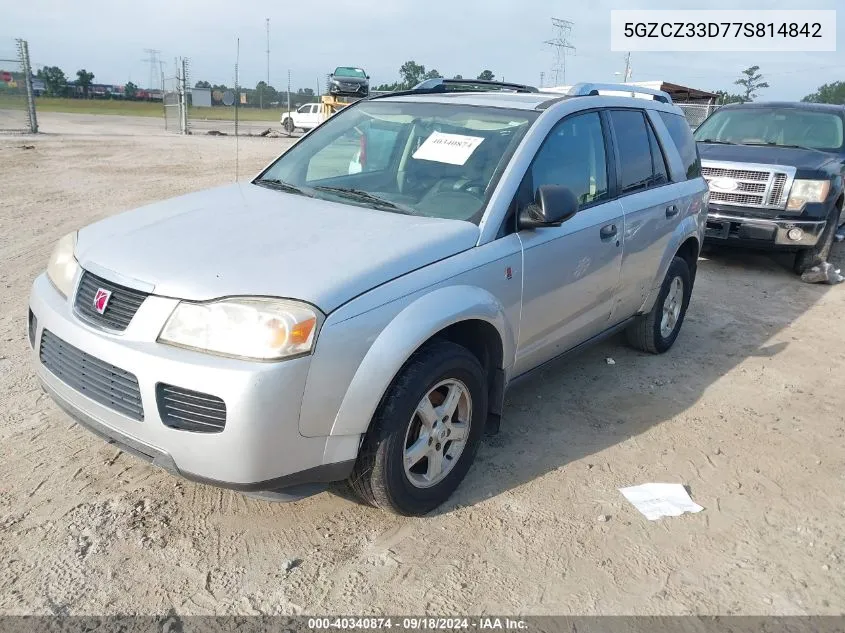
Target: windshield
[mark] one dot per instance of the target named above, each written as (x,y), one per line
(344,71)
(787,127)
(430,159)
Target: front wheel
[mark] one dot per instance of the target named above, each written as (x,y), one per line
(656,331)
(425,434)
(806,258)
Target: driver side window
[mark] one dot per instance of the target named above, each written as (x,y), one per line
(573,156)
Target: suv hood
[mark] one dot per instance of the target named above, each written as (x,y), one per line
(249,240)
(808,160)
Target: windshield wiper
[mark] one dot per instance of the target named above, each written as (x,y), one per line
(714,141)
(365,196)
(773,144)
(281,185)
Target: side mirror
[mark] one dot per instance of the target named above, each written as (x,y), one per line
(553,205)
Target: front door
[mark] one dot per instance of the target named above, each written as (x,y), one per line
(570,272)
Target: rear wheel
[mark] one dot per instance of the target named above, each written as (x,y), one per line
(656,331)
(425,434)
(808,257)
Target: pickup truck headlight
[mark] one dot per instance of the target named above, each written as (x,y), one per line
(246,327)
(62,267)
(804,191)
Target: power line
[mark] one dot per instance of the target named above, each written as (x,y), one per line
(561,45)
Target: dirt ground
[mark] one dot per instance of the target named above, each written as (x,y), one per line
(748,410)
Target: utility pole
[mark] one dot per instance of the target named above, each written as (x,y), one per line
(542,76)
(561,44)
(261,93)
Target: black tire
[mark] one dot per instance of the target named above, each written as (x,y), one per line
(806,258)
(379,476)
(288,125)
(644,333)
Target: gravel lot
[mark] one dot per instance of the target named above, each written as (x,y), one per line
(747,409)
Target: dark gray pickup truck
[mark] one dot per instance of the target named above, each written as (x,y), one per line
(775,172)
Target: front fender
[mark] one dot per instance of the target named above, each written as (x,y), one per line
(412,327)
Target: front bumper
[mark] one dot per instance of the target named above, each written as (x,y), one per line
(260,449)
(729,228)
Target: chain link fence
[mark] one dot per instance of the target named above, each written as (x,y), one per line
(17,96)
(697,112)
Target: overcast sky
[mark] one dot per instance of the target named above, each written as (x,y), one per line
(310,38)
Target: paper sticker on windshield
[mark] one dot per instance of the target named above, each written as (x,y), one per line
(454,149)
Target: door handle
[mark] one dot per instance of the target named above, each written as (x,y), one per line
(671,211)
(607,231)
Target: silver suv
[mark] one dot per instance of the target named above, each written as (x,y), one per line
(356,312)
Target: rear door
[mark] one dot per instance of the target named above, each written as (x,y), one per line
(648,199)
(570,272)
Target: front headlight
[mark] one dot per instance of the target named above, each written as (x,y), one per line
(247,327)
(62,267)
(804,191)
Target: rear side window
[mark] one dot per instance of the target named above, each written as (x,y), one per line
(636,171)
(681,134)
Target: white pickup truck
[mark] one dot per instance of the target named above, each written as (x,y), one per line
(306,117)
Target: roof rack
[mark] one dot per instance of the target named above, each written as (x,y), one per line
(441,85)
(590,89)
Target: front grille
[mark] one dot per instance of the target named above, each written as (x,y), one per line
(121,307)
(32,327)
(734,198)
(104,383)
(188,410)
(762,188)
(777,190)
(737,174)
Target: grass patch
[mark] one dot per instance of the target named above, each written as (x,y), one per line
(148,108)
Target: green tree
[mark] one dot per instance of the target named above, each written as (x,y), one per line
(725,97)
(202,84)
(411,73)
(84,79)
(486,75)
(54,79)
(751,81)
(130,90)
(432,74)
(828,93)
(458,77)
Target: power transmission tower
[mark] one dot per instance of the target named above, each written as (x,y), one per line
(542,77)
(153,61)
(628,70)
(562,46)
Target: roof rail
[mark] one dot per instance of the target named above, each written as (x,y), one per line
(590,89)
(440,84)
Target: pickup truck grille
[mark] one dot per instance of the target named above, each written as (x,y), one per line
(748,185)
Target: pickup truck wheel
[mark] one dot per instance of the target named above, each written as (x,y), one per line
(808,257)
(656,331)
(288,125)
(425,433)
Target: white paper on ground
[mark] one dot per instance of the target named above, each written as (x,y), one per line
(454,149)
(660,500)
